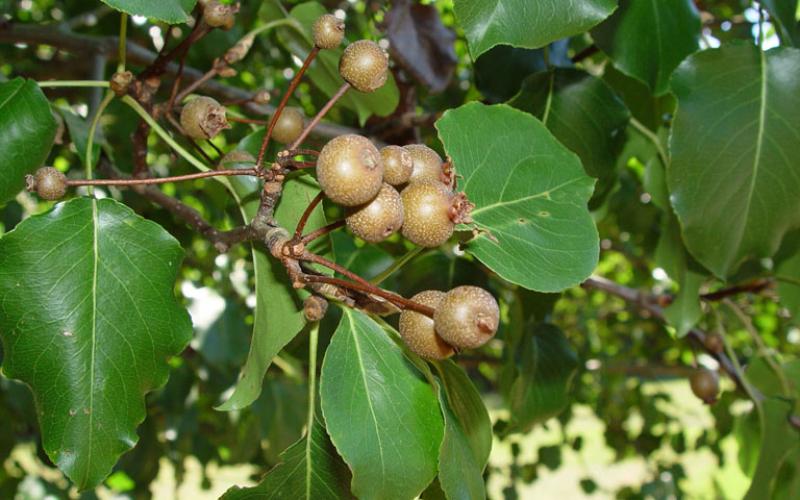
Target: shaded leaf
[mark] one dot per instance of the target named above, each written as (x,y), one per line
(778,441)
(467,435)
(309,469)
(541,374)
(27,130)
(421,43)
(785,13)
(522,23)
(648,40)
(92,327)
(169,11)
(500,71)
(583,113)
(734,178)
(787,271)
(79,133)
(530,194)
(382,417)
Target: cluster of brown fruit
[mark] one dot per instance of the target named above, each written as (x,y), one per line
(466,317)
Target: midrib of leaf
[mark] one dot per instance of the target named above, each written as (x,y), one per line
(543,194)
(15,92)
(366,393)
(659,46)
(96,255)
(762,118)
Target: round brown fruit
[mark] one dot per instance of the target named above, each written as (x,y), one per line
(467,317)
(378,219)
(418,332)
(427,163)
(705,385)
(50,184)
(328,32)
(350,170)
(427,213)
(397,165)
(289,126)
(219,15)
(203,118)
(364,66)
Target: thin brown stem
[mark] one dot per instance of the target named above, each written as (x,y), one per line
(160,180)
(322,231)
(316,259)
(395,299)
(322,112)
(301,224)
(284,100)
(251,121)
(197,83)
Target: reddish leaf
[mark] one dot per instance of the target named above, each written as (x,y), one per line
(421,44)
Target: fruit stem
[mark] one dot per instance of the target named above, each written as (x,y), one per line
(333,226)
(123,41)
(316,259)
(160,180)
(322,112)
(284,101)
(74,83)
(395,299)
(301,224)
(251,121)
(90,140)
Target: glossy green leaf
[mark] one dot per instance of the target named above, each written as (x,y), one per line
(583,113)
(279,310)
(543,367)
(648,39)
(778,441)
(324,72)
(310,469)
(467,435)
(530,195)
(522,23)
(27,130)
(88,320)
(381,415)
(734,176)
(169,11)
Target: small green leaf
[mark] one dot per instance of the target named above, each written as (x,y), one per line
(467,435)
(324,72)
(530,195)
(79,133)
(309,469)
(381,415)
(169,11)
(787,271)
(522,23)
(542,371)
(27,130)
(88,320)
(784,14)
(734,177)
(583,113)
(648,39)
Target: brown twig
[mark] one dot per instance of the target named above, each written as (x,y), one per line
(756,287)
(322,112)
(395,299)
(160,180)
(284,100)
(322,231)
(301,224)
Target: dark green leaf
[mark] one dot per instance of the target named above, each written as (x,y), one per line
(778,441)
(382,417)
(784,14)
(279,312)
(467,435)
(169,11)
(583,113)
(309,469)
(27,130)
(734,178)
(649,39)
(530,194)
(522,23)
(788,273)
(544,364)
(79,133)
(89,318)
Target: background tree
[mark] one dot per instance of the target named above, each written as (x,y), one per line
(620,176)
